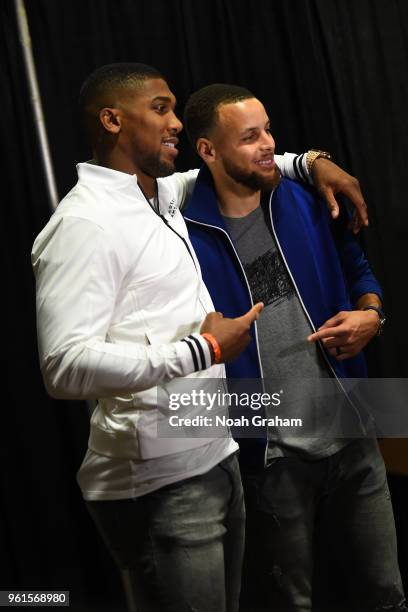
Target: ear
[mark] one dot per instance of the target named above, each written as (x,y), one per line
(110,119)
(206,151)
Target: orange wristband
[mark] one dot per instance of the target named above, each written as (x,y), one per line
(214,345)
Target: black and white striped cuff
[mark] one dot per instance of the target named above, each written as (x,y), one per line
(294,167)
(300,169)
(200,351)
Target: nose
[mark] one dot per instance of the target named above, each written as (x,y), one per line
(268,141)
(175,124)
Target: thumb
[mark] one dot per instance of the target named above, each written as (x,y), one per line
(252,315)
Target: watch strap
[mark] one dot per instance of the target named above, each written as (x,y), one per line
(314,154)
(381,317)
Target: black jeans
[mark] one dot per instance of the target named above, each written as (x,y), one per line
(303,515)
(182,544)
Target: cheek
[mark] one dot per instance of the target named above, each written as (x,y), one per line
(246,157)
(147,140)
(150,129)
(240,156)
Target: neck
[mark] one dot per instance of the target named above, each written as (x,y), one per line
(236,200)
(115,161)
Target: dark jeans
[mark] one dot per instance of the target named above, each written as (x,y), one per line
(183,544)
(305,519)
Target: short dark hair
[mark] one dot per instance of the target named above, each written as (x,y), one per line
(201,110)
(104,84)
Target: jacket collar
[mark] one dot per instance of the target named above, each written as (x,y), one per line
(90,172)
(203,205)
(126,184)
(121,183)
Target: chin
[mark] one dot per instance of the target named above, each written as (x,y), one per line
(161,168)
(264,182)
(254,179)
(269,182)
(166,168)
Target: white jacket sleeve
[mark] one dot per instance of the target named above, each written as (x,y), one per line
(183,184)
(291,165)
(79,276)
(294,166)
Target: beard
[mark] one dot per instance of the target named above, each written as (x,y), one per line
(252,180)
(154,166)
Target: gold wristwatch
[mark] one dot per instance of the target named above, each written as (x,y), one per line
(314,154)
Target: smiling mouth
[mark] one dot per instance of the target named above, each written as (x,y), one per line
(266,163)
(171,146)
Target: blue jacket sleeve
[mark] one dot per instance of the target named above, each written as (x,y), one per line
(358,274)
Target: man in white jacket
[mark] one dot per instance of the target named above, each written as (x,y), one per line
(120,305)
(123,314)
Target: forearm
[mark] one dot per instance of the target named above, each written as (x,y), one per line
(87,346)
(368,299)
(95,369)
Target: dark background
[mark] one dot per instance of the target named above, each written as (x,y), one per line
(332,74)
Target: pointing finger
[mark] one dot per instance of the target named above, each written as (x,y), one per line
(253,314)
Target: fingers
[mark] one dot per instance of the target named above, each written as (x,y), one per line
(341,352)
(333,342)
(333,322)
(252,315)
(334,345)
(353,192)
(331,203)
(328,332)
(338,347)
(356,223)
(215,315)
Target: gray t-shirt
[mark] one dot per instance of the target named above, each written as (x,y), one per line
(288,360)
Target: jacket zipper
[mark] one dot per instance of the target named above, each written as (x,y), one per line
(309,318)
(156,212)
(252,303)
(246,280)
(181,238)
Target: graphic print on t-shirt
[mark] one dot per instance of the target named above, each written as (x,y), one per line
(287,358)
(268,279)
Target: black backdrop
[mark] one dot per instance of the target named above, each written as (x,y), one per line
(332,74)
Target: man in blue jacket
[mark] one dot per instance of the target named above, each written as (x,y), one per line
(263,238)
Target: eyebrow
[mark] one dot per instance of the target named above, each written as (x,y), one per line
(249,129)
(255,127)
(162,99)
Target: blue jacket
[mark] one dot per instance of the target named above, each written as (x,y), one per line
(329,275)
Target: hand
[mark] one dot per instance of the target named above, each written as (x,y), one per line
(347,333)
(330,179)
(231,334)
